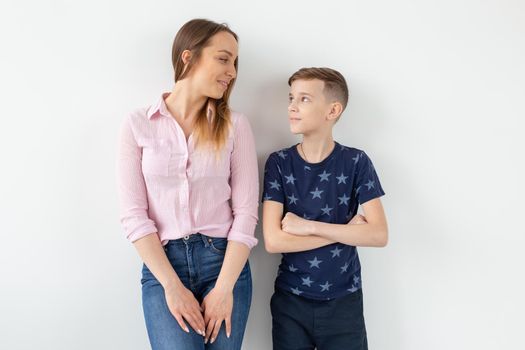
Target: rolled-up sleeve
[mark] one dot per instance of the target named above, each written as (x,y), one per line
(131,187)
(244,183)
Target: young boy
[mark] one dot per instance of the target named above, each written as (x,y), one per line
(312,191)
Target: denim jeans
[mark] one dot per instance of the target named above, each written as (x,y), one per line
(304,324)
(197,260)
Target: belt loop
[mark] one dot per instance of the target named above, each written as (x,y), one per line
(205,239)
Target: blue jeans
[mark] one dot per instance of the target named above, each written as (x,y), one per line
(304,324)
(197,260)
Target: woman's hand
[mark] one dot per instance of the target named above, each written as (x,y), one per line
(183,306)
(217,306)
(296,225)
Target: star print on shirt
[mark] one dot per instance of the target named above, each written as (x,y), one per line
(370,184)
(292,268)
(326,210)
(344,199)
(344,267)
(275,185)
(282,154)
(324,176)
(356,279)
(356,159)
(267,197)
(341,179)
(316,193)
(293,199)
(315,262)
(290,179)
(352,289)
(325,287)
(296,291)
(336,252)
(307,281)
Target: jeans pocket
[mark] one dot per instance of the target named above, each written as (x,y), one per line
(218,245)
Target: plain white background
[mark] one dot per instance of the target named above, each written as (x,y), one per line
(437,103)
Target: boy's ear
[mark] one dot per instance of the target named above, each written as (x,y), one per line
(336,109)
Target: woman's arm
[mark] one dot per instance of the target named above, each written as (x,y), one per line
(141,231)
(244,181)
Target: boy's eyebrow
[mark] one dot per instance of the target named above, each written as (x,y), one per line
(302,93)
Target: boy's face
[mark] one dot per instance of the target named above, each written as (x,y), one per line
(308,107)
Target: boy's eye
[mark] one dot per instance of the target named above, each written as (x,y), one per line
(305,99)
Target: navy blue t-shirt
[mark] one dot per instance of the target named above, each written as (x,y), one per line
(329,191)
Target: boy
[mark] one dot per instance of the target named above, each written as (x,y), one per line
(311,191)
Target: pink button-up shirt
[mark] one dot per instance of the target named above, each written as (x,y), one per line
(167,186)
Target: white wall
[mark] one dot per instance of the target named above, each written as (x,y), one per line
(436,88)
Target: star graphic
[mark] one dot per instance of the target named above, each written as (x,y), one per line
(275,185)
(370,184)
(324,176)
(282,154)
(341,179)
(315,262)
(356,159)
(292,268)
(336,252)
(296,291)
(267,197)
(306,167)
(344,199)
(356,279)
(357,189)
(353,289)
(293,199)
(344,267)
(290,179)
(325,287)
(306,217)
(307,281)
(326,210)
(316,193)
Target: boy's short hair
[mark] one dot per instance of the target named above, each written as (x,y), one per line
(334,82)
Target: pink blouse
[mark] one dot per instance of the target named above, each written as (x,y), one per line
(167,186)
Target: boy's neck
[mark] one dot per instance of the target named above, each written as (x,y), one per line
(315,148)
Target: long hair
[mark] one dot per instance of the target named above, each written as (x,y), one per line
(213,122)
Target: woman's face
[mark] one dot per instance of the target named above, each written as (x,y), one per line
(215,69)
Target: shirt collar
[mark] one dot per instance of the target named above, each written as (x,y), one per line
(159,108)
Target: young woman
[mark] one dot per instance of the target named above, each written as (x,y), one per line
(188,184)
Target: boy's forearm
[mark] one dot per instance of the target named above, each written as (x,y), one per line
(283,242)
(363,235)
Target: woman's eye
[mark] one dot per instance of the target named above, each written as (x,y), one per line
(223,60)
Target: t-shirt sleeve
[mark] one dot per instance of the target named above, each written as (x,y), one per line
(367,182)
(273,182)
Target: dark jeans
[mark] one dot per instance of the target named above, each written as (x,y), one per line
(305,324)
(197,260)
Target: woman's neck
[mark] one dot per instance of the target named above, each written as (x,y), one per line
(183,103)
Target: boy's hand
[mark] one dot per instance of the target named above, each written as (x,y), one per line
(295,225)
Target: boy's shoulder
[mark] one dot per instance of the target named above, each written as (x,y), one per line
(283,154)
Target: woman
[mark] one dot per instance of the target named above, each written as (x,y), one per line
(180,163)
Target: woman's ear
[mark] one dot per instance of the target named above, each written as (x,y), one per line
(186,56)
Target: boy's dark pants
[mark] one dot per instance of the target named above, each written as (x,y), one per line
(304,324)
